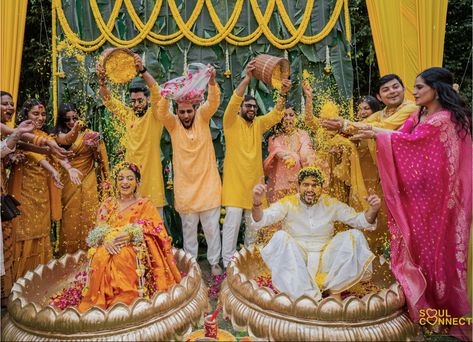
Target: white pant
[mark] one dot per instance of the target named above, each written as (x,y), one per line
(210,225)
(231,227)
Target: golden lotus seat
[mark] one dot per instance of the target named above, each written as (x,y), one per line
(166,316)
(278,317)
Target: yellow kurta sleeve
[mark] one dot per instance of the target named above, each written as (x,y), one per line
(231,112)
(270,119)
(155,98)
(394,121)
(124,113)
(209,108)
(163,115)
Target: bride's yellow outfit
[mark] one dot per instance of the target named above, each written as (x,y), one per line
(139,268)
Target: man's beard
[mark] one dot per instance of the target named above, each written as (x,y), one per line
(141,112)
(316,198)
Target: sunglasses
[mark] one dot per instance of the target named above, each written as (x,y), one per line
(249,106)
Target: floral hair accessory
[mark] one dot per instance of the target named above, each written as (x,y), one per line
(310,171)
(189,88)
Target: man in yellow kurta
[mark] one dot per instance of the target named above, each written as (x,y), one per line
(390,91)
(143,131)
(243,165)
(197,185)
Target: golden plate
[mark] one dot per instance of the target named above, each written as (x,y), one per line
(119,65)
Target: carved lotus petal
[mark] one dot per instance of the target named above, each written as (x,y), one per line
(305,307)
(282,303)
(67,320)
(141,308)
(92,318)
(119,313)
(28,314)
(263,298)
(330,309)
(178,294)
(392,301)
(376,306)
(45,317)
(162,301)
(355,309)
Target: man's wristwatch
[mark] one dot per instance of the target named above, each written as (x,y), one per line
(142,71)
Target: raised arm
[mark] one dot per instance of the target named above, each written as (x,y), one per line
(70,137)
(261,218)
(309,119)
(209,108)
(111,103)
(168,120)
(233,106)
(275,116)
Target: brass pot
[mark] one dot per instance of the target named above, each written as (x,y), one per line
(119,65)
(265,315)
(166,316)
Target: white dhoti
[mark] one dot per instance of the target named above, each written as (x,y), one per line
(337,264)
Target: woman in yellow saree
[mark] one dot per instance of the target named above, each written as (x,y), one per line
(80,202)
(130,250)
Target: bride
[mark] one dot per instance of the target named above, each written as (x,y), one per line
(130,251)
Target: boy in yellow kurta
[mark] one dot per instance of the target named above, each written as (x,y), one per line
(390,91)
(243,165)
(197,185)
(143,131)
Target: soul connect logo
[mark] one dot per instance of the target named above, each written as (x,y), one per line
(441,317)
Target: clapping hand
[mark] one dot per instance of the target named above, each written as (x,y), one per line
(332,124)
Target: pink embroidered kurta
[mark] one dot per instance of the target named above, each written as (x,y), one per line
(426,174)
(282,176)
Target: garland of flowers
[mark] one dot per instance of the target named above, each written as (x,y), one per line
(185,28)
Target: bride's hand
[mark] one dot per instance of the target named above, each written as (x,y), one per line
(112,247)
(122,239)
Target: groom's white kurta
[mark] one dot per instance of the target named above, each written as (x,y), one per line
(294,253)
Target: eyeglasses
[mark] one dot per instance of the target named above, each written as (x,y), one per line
(184,111)
(249,106)
(139,101)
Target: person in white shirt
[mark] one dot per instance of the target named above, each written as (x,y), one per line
(305,258)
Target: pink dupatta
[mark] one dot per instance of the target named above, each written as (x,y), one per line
(425,171)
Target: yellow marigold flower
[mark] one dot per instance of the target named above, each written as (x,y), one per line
(329,110)
(80,58)
(91,252)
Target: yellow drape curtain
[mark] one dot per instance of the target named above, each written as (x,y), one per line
(12,17)
(408,36)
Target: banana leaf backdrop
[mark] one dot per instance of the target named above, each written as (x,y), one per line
(79,83)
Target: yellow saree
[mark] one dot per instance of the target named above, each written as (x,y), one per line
(81,202)
(32,186)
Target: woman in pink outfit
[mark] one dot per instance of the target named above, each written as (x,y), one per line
(426,172)
(290,149)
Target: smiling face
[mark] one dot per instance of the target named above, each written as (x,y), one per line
(126,183)
(71,118)
(423,93)
(7,108)
(248,110)
(37,114)
(364,110)
(391,93)
(288,121)
(186,113)
(139,103)
(310,190)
